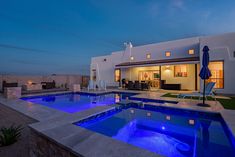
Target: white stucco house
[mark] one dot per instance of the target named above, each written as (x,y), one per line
(175,63)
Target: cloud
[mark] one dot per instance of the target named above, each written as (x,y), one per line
(178,4)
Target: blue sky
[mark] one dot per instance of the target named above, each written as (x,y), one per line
(61,36)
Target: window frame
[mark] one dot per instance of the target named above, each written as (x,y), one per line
(186,71)
(119,74)
(167,52)
(223,72)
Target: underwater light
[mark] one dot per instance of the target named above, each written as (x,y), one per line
(149,114)
(163,128)
(132,111)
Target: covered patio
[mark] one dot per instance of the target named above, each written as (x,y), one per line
(170,74)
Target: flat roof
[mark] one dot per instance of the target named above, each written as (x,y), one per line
(174,60)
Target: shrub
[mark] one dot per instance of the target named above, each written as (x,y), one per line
(9,135)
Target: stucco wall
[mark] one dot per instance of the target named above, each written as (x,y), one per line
(178,48)
(187,83)
(221,48)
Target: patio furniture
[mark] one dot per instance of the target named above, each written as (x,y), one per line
(137,85)
(48,85)
(91,85)
(170,86)
(30,87)
(130,85)
(5,84)
(144,85)
(208,92)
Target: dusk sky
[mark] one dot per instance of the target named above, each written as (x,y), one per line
(61,36)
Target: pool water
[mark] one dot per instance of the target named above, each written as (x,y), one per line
(75,102)
(167,132)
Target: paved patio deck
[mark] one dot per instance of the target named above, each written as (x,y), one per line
(55,124)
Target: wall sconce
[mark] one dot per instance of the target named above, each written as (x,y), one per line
(30,82)
(167,67)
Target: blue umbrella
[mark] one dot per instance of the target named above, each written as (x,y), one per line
(205,72)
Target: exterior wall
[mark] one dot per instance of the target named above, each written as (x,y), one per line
(59,79)
(178,48)
(105,69)
(187,83)
(222,47)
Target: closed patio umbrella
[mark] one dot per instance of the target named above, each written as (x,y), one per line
(205,72)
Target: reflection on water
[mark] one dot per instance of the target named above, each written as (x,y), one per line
(49,99)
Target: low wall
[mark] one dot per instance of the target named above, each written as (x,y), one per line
(60,80)
(41,146)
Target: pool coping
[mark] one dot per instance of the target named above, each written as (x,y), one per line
(51,121)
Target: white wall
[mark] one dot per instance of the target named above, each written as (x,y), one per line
(178,48)
(105,69)
(222,48)
(187,83)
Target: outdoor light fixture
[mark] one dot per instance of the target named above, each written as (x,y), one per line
(167,67)
(191,51)
(131,58)
(148,56)
(30,82)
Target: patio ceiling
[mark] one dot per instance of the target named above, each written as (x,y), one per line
(159,62)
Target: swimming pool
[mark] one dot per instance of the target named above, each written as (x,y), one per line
(168,132)
(75,102)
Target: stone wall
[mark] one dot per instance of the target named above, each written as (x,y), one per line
(60,80)
(41,146)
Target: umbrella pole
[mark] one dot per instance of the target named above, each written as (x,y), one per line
(204,91)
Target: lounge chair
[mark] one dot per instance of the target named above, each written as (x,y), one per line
(102,85)
(208,92)
(91,85)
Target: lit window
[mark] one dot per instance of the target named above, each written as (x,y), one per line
(180,70)
(117,74)
(217,72)
(131,58)
(168,53)
(148,56)
(191,51)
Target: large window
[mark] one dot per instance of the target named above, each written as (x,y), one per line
(117,75)
(180,71)
(217,71)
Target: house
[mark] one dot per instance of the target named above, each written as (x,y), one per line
(175,62)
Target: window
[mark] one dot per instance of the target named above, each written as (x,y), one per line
(217,71)
(191,51)
(180,71)
(148,56)
(131,58)
(168,53)
(117,75)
